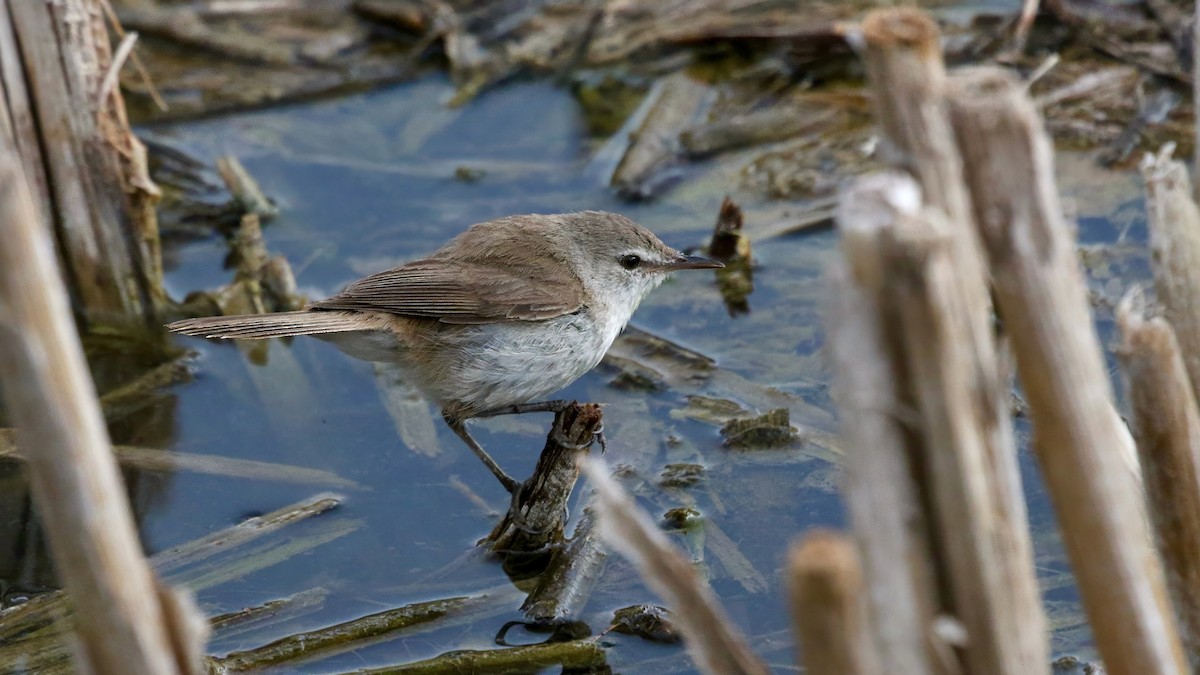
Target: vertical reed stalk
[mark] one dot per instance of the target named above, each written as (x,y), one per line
(968,450)
(1040,292)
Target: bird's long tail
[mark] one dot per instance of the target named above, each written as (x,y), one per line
(279,324)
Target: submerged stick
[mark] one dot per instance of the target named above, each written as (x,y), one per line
(169,461)
(569,579)
(581,654)
(271,612)
(1040,292)
(43,621)
(120,617)
(1166,424)
(244,532)
(343,636)
(713,643)
(251,559)
(138,393)
(829,607)
(45,608)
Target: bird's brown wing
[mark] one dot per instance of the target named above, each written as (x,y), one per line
(458,291)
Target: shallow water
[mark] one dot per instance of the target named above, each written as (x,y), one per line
(368,181)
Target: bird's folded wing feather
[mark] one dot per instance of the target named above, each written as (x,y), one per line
(458,291)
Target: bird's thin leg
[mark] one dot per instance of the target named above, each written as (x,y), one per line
(555,406)
(459,427)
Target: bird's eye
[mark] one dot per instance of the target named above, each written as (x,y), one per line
(630,261)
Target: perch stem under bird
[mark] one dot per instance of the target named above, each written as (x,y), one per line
(506,313)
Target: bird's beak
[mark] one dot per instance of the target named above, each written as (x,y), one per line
(692,262)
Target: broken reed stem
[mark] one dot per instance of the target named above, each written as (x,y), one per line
(829,607)
(714,644)
(535,520)
(884,508)
(1166,424)
(908,252)
(88,170)
(244,189)
(1040,292)
(569,579)
(1174,223)
(986,548)
(121,619)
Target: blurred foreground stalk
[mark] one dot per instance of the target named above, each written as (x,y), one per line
(125,621)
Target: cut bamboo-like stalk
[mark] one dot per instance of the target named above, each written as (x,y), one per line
(1166,424)
(120,619)
(985,547)
(828,603)
(908,81)
(884,508)
(972,544)
(713,643)
(1039,288)
(1175,246)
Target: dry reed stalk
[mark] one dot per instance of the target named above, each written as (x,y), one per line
(123,621)
(909,253)
(1175,246)
(1077,435)
(885,510)
(1166,424)
(828,603)
(86,169)
(986,547)
(713,643)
